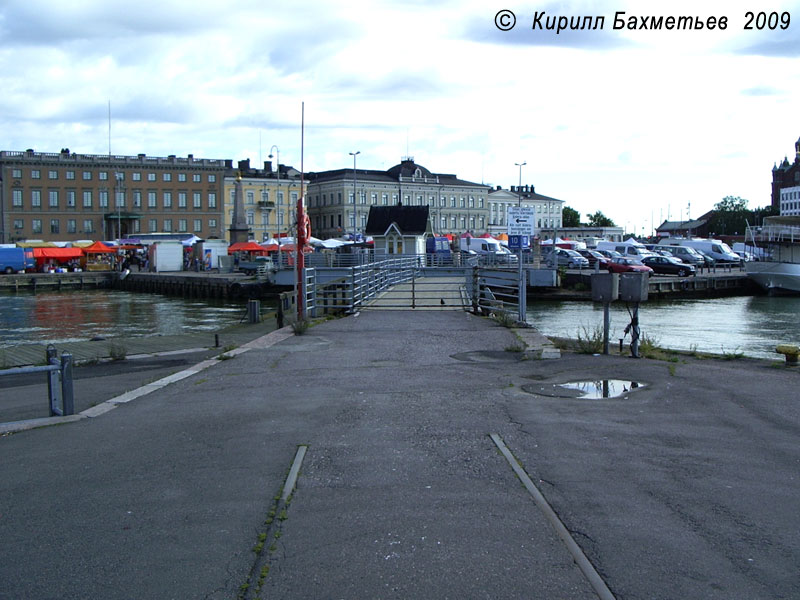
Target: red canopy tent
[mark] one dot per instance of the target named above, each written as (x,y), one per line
(246,247)
(99,248)
(57,253)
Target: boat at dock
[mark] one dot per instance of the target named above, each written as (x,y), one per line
(777,245)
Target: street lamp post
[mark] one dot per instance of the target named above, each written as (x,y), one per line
(118,199)
(519,187)
(355,203)
(277,193)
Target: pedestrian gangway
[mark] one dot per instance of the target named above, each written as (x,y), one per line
(407,283)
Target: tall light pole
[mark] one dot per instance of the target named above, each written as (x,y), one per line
(277,194)
(355,203)
(119,196)
(522,286)
(519,187)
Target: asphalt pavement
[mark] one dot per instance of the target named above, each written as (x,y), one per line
(684,486)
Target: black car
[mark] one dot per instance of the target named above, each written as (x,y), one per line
(667,265)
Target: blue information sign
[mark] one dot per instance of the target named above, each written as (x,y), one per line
(519,242)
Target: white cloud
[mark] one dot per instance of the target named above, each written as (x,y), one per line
(625,122)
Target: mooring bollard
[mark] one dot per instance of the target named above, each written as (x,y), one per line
(253,311)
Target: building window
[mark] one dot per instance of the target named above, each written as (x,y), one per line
(339,197)
(136,226)
(16,173)
(384,199)
(19,224)
(181,199)
(55,226)
(212,200)
(36,174)
(198,225)
(87,199)
(52,198)
(168,225)
(72,226)
(87,175)
(452,201)
(103,199)
(182,225)
(152,225)
(120,199)
(480,202)
(443,223)
(70,175)
(103,175)
(36,225)
(36,198)
(250,218)
(294,197)
(167,176)
(151,177)
(250,197)
(196,177)
(88,226)
(280,198)
(16,198)
(181,176)
(52,174)
(151,199)
(136,176)
(167,199)
(137,198)
(212,224)
(70,198)
(197,201)
(212,178)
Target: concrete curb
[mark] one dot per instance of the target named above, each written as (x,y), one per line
(265,341)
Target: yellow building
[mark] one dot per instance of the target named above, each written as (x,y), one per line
(270,199)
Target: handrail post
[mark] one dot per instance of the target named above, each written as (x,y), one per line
(475,290)
(67,398)
(51,357)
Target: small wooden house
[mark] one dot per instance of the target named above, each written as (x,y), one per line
(399,229)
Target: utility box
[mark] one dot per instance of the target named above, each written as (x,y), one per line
(605,287)
(633,287)
(165,256)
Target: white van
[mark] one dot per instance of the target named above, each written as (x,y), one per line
(629,249)
(716,249)
(483,246)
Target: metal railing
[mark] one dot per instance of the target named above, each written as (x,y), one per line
(59,381)
(494,291)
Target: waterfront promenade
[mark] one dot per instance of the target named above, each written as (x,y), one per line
(685,487)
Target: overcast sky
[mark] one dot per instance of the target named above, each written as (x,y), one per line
(635,124)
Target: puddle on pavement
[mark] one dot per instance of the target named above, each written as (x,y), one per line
(586,390)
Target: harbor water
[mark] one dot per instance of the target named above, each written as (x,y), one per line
(751,325)
(79,315)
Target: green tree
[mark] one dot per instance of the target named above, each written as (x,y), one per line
(598,219)
(730,216)
(570,217)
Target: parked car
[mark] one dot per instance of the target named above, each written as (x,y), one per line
(610,254)
(593,256)
(668,266)
(568,258)
(627,265)
(688,255)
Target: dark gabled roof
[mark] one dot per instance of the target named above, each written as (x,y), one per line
(411,220)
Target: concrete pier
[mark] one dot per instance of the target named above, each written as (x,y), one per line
(390,421)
